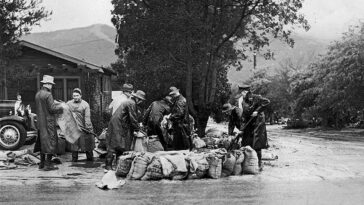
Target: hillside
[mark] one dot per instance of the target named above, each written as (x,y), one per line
(305,50)
(94,44)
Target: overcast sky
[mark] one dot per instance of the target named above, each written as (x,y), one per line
(328,18)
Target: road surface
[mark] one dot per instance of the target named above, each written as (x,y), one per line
(314,167)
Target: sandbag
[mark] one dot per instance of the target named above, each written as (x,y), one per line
(198,166)
(167,167)
(210,142)
(239,155)
(139,166)
(198,142)
(228,165)
(154,145)
(124,164)
(154,170)
(68,124)
(180,166)
(250,164)
(215,133)
(215,166)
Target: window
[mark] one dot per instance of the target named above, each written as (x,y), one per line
(64,85)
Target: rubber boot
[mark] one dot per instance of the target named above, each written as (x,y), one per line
(89,156)
(48,165)
(42,160)
(74,156)
(108,161)
(259,154)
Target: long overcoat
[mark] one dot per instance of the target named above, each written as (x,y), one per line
(121,127)
(180,123)
(81,113)
(46,108)
(255,133)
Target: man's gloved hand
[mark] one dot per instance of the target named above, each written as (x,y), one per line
(255,113)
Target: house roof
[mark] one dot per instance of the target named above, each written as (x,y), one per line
(77,61)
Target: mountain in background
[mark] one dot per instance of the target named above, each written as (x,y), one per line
(306,49)
(95,44)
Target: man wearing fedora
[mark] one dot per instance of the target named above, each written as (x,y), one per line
(123,123)
(234,114)
(255,133)
(47,139)
(154,115)
(127,89)
(180,121)
(81,112)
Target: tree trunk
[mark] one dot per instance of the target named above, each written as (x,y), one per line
(202,118)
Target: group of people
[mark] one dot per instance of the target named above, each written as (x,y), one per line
(246,114)
(124,124)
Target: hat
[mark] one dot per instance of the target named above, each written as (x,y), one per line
(173,90)
(227,107)
(127,88)
(77,90)
(139,94)
(48,79)
(244,87)
(168,99)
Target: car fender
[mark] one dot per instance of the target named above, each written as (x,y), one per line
(13,118)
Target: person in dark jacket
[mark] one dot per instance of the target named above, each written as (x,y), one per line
(154,115)
(180,121)
(81,112)
(123,123)
(234,114)
(255,133)
(47,139)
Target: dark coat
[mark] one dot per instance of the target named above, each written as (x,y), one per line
(234,120)
(46,108)
(181,124)
(122,124)
(255,133)
(155,112)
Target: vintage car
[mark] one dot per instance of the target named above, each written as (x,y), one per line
(15,130)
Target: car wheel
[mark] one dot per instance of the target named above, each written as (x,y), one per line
(12,135)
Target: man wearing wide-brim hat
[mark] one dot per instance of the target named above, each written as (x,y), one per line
(234,116)
(127,90)
(122,124)
(47,139)
(180,121)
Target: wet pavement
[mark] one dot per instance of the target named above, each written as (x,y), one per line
(310,170)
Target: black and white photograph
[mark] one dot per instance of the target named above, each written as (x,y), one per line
(182,102)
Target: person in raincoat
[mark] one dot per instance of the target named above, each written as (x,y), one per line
(255,133)
(122,125)
(81,112)
(127,89)
(47,139)
(234,114)
(180,121)
(153,117)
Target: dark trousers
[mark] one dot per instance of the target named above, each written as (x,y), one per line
(155,129)
(259,154)
(181,138)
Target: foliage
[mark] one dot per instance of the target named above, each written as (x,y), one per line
(190,43)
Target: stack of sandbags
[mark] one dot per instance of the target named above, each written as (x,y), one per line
(139,166)
(198,166)
(250,164)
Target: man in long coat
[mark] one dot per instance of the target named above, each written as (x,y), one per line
(81,112)
(255,133)
(153,117)
(122,124)
(180,121)
(46,108)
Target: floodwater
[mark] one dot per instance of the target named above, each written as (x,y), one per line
(314,167)
(233,190)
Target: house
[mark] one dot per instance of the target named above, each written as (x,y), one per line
(26,72)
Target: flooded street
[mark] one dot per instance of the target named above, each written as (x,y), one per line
(313,168)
